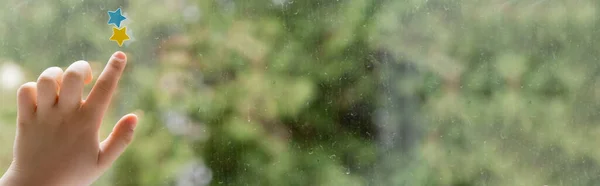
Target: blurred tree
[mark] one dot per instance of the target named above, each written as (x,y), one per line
(287,90)
(362,92)
(505,87)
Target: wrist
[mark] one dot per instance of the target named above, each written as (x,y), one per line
(20,177)
(9,179)
(13,177)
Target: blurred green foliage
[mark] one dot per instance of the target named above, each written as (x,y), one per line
(361,92)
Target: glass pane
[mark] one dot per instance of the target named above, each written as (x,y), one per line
(346,92)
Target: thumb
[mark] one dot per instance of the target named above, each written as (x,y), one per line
(118,140)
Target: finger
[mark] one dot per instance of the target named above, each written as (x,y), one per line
(72,85)
(48,85)
(117,141)
(101,93)
(26,101)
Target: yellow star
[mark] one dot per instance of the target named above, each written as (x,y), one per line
(119,35)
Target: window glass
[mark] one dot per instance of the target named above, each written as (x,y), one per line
(345,92)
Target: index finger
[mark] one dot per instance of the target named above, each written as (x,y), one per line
(101,94)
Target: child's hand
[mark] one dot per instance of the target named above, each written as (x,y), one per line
(57,134)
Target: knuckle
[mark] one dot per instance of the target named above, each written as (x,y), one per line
(54,69)
(73,75)
(116,65)
(29,86)
(69,108)
(51,73)
(127,137)
(103,87)
(46,79)
(80,62)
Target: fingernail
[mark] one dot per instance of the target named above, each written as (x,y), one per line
(120,56)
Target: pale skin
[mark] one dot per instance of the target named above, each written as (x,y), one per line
(57,140)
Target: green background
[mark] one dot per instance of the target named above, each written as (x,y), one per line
(345,92)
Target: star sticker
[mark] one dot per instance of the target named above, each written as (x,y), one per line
(116,17)
(119,35)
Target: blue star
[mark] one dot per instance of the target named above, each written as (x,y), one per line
(116,17)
